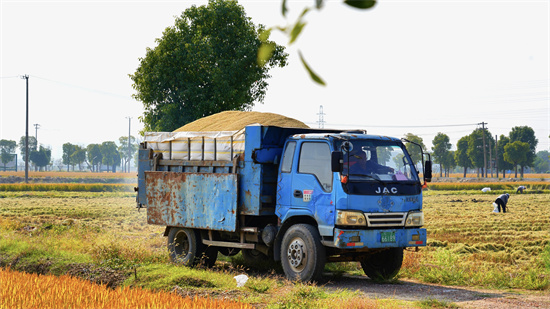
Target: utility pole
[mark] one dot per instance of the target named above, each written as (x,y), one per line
(321,121)
(496,153)
(36,127)
(129,123)
(490,159)
(484,151)
(26,77)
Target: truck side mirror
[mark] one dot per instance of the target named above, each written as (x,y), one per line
(428,171)
(337,161)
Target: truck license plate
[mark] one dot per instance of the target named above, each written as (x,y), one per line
(388,236)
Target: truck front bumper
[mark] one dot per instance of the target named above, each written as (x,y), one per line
(354,239)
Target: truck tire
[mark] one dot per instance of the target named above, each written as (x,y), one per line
(253,257)
(185,246)
(383,265)
(303,256)
(257,260)
(210,256)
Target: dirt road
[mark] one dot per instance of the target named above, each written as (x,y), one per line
(464,297)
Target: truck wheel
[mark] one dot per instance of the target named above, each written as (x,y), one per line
(302,254)
(258,260)
(185,246)
(383,265)
(210,256)
(253,257)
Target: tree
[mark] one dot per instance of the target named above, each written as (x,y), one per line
(441,147)
(449,162)
(461,154)
(123,150)
(542,162)
(41,158)
(67,157)
(78,156)
(110,154)
(516,153)
(206,63)
(22,146)
(7,149)
(503,164)
(94,156)
(412,149)
(527,135)
(475,148)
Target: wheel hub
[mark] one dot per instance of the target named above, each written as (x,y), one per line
(296,254)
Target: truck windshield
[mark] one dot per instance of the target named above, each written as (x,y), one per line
(377,161)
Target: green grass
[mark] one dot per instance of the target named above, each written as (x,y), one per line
(435,303)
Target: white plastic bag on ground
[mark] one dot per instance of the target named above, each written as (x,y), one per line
(495,207)
(241,280)
(485,190)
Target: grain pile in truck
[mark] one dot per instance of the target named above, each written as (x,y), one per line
(215,137)
(236,120)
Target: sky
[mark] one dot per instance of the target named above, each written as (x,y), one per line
(420,67)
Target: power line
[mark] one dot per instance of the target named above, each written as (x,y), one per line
(26,78)
(85,88)
(388,126)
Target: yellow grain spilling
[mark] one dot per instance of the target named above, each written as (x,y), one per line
(236,120)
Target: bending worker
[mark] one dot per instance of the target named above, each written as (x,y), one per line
(501,201)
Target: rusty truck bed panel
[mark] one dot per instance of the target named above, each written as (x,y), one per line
(193,200)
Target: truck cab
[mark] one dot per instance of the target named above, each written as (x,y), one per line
(360,192)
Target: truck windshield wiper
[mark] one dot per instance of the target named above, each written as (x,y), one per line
(367,176)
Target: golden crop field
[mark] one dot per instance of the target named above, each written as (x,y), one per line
(508,175)
(23,290)
(510,187)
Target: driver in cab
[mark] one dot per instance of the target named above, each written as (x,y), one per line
(358,164)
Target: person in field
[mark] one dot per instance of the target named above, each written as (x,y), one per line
(501,201)
(520,189)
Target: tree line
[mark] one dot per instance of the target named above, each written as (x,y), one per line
(93,156)
(482,151)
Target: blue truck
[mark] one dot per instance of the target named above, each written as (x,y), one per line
(301,197)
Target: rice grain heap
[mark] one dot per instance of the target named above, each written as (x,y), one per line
(237,120)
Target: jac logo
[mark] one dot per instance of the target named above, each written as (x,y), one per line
(386,190)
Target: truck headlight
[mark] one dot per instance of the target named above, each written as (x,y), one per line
(350,218)
(415,219)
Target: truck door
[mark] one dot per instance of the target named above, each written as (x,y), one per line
(284,183)
(311,186)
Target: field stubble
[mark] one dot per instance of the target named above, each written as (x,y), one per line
(93,234)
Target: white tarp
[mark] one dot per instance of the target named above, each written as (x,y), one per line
(175,145)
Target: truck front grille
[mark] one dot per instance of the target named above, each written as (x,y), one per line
(386,219)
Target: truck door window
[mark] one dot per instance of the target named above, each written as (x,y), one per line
(288,156)
(315,159)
